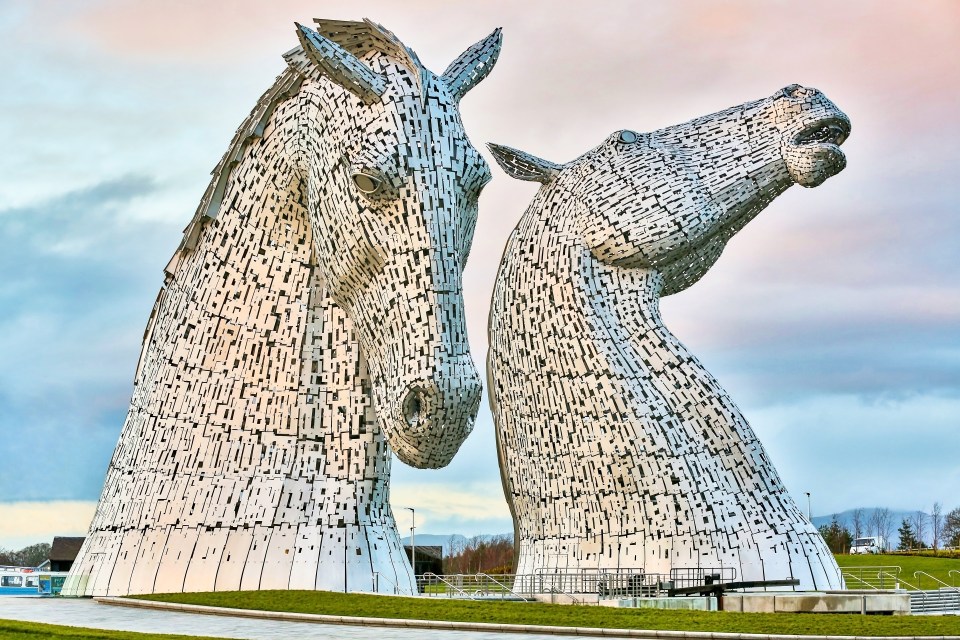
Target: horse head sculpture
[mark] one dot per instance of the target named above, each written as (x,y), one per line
(311,320)
(393,203)
(671,199)
(618,449)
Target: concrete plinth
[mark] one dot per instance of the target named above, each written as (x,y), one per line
(820,602)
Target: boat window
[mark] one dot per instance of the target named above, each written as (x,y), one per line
(11,581)
(31,581)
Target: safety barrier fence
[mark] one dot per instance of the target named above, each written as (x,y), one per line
(625,582)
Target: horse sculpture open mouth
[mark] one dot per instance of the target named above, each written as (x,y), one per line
(814,154)
(826,131)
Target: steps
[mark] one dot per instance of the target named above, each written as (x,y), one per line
(935,601)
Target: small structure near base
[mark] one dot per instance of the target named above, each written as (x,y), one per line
(64,551)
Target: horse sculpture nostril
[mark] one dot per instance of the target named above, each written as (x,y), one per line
(417,404)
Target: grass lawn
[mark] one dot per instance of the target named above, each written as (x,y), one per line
(16,630)
(938,567)
(324,602)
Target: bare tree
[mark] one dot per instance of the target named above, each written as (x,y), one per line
(882,524)
(919,522)
(936,524)
(888,528)
(858,522)
(873,522)
(951,528)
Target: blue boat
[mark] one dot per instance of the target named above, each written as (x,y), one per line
(30,581)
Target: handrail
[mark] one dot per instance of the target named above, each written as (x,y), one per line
(396,587)
(501,585)
(555,590)
(894,568)
(896,579)
(449,584)
(917,574)
(882,572)
(853,577)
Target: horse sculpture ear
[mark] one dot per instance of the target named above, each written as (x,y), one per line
(523,166)
(473,65)
(341,66)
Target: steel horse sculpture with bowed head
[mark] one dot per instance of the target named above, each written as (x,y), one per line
(617,448)
(311,321)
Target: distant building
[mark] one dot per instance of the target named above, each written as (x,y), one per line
(63,552)
(429,559)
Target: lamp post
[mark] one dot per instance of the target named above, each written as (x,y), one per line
(809,516)
(413,540)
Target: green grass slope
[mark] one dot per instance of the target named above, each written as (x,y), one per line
(938,567)
(322,602)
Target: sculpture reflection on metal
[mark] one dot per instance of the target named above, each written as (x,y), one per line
(312,314)
(617,448)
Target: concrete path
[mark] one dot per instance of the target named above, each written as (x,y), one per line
(83,612)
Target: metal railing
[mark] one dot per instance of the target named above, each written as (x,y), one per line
(573,598)
(896,577)
(877,577)
(691,576)
(503,588)
(944,585)
(951,573)
(430,584)
(623,582)
(377,577)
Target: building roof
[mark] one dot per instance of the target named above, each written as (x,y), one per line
(427,550)
(65,549)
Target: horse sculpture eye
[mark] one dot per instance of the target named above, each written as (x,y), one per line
(366,183)
(628,137)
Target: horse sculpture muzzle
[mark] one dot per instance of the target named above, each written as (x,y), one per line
(811,141)
(436,414)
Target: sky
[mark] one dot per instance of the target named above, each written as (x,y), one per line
(833,319)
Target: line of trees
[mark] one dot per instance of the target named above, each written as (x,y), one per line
(487,554)
(941,529)
(30,556)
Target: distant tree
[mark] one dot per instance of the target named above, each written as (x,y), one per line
(936,524)
(951,528)
(880,523)
(34,555)
(907,538)
(873,523)
(837,536)
(919,522)
(480,553)
(858,522)
(30,556)
(885,526)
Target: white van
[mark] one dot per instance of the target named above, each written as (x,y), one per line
(869,545)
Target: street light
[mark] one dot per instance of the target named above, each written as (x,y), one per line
(413,540)
(809,517)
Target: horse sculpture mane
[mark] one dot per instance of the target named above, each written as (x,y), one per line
(310,322)
(618,450)
(358,38)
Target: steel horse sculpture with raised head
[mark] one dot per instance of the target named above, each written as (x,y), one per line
(618,449)
(311,320)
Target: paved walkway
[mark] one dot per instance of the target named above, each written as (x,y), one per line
(83,612)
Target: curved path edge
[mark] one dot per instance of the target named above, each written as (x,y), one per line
(480,626)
